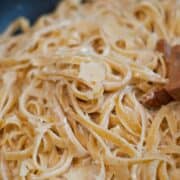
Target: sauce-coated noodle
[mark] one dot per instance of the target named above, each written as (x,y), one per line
(70,89)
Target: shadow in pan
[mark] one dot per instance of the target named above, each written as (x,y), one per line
(32,9)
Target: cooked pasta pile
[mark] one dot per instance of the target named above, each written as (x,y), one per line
(70,88)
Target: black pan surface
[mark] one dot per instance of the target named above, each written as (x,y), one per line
(32,9)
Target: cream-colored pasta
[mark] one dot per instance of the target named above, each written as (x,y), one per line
(70,88)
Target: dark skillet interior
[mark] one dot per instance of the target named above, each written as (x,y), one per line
(32,9)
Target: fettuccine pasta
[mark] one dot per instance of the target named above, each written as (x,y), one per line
(70,88)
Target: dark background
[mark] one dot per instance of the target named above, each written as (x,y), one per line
(32,9)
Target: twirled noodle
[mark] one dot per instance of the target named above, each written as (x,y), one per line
(70,88)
